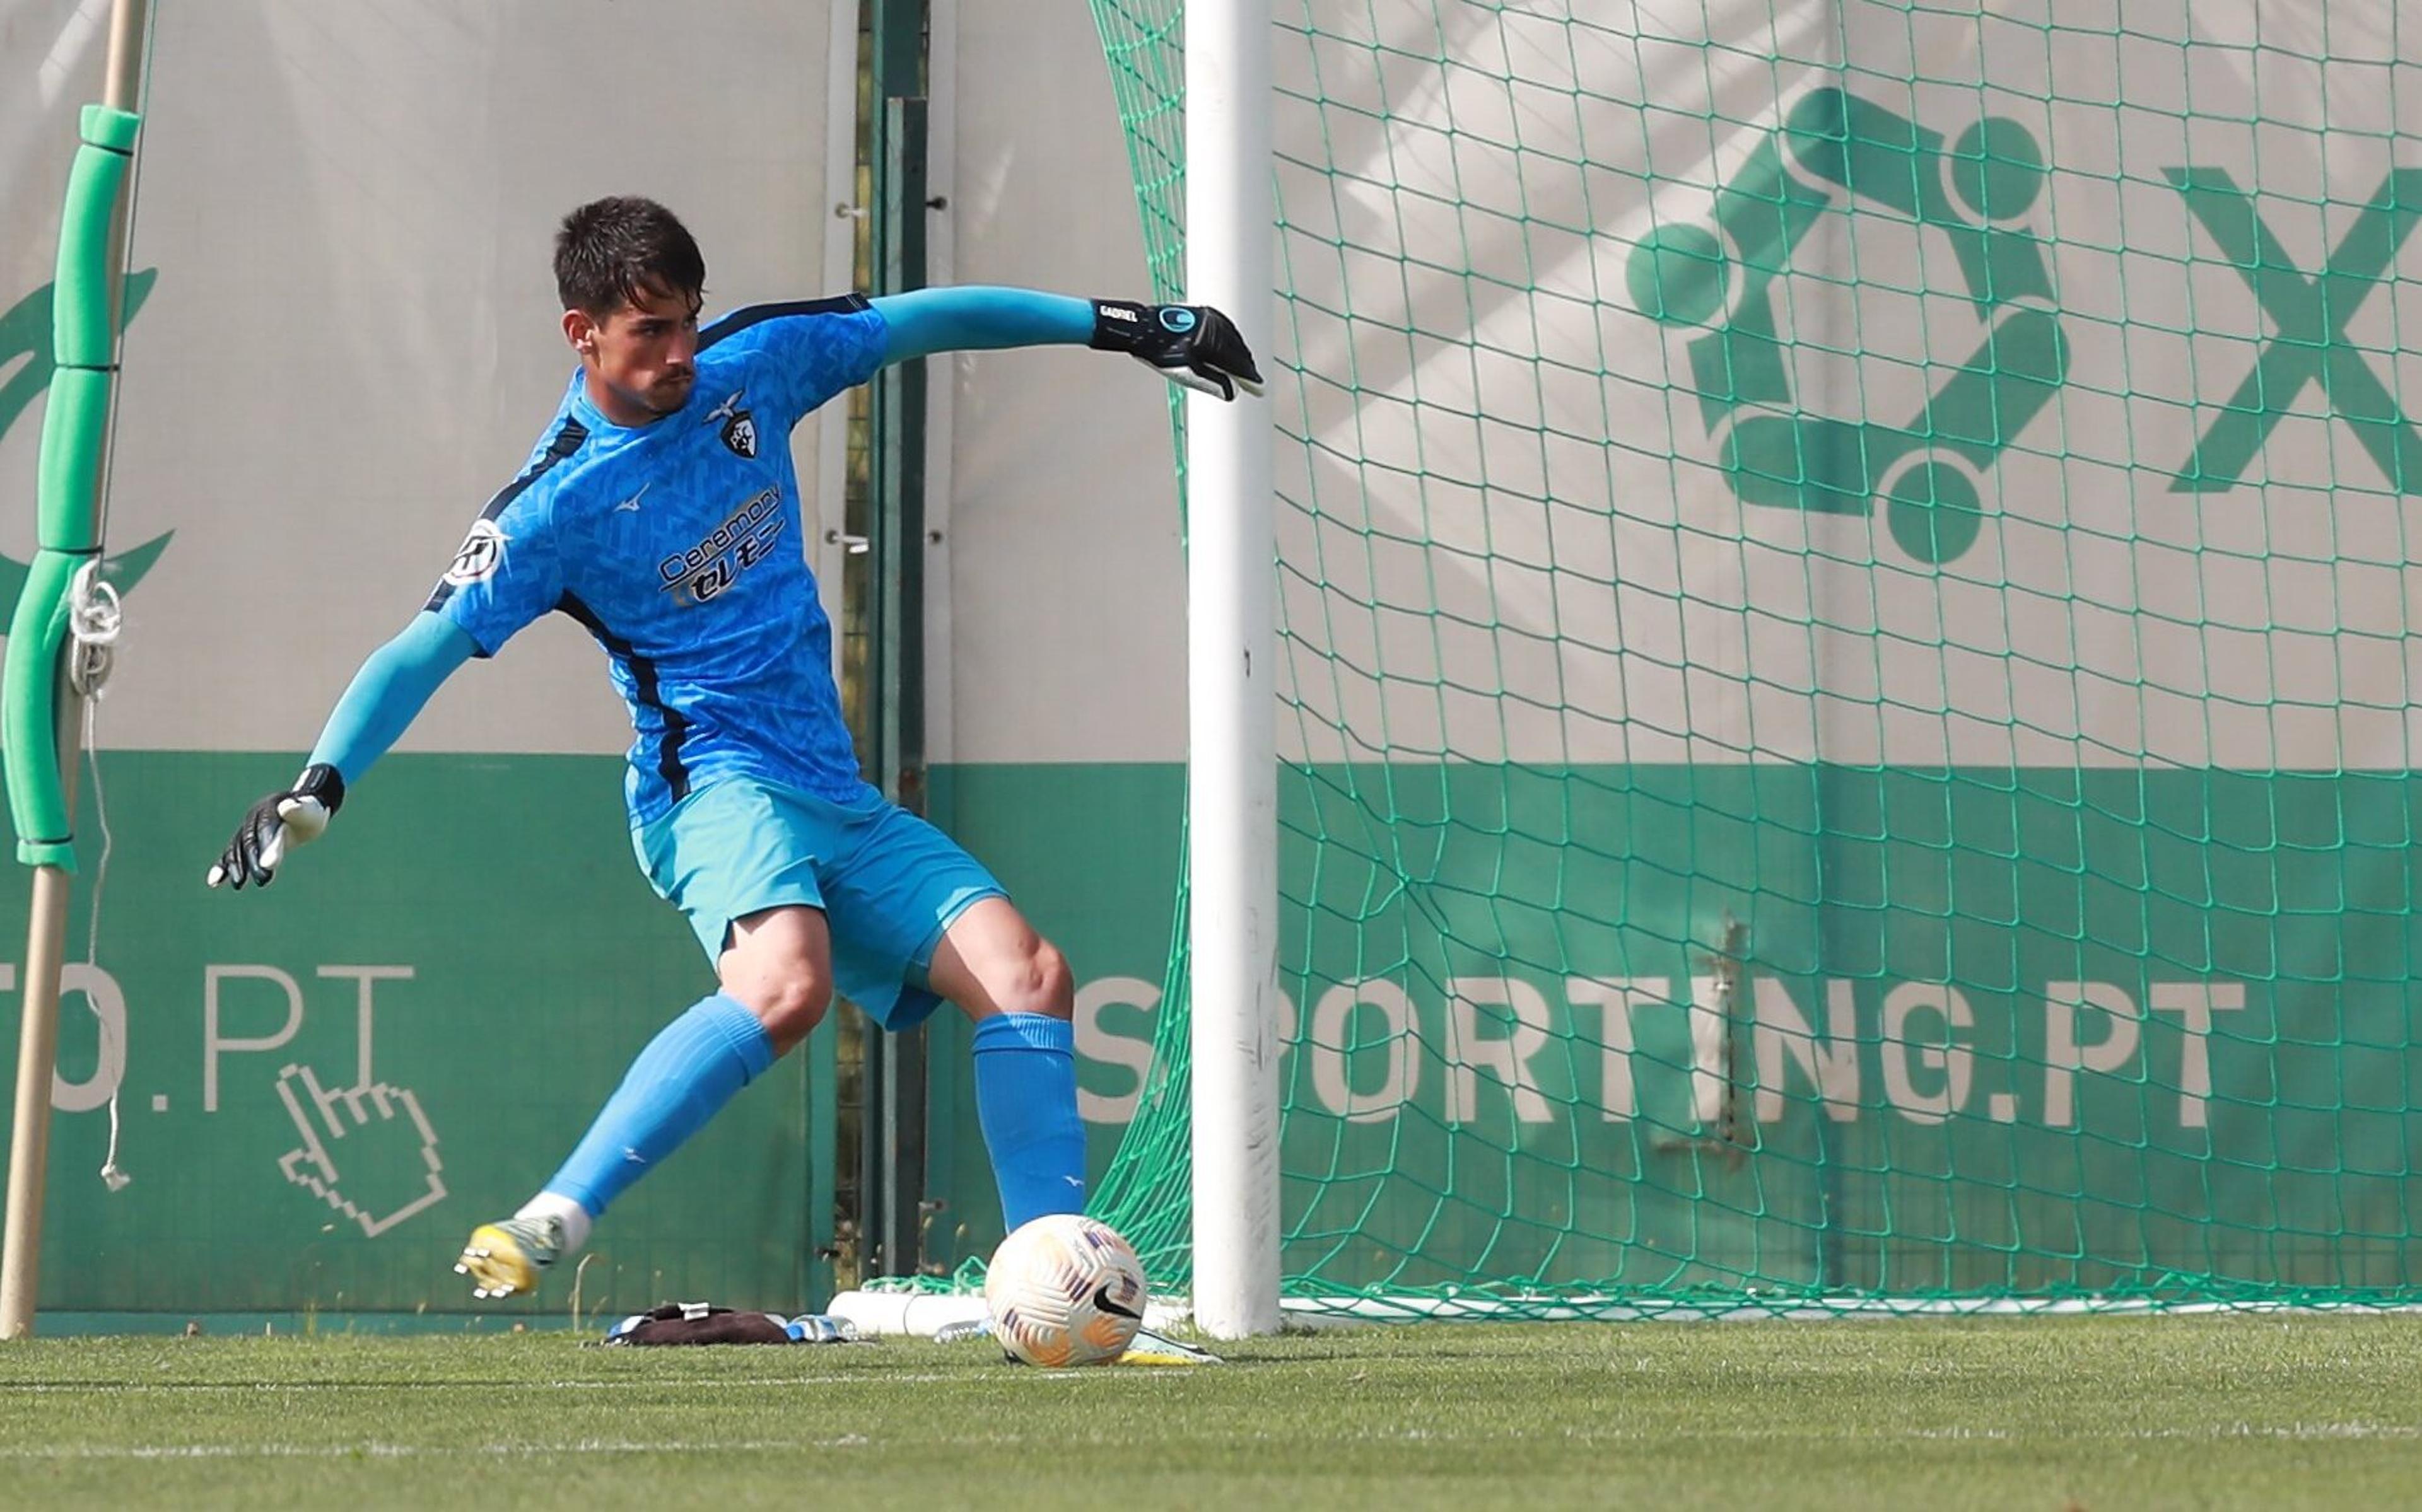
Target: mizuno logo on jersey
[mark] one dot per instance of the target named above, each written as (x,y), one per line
(739,426)
(707,569)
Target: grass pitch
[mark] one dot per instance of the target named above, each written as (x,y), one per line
(2044,1412)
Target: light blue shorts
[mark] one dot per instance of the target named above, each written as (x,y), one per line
(889,883)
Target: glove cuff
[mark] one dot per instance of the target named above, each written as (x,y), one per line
(323,785)
(1120,325)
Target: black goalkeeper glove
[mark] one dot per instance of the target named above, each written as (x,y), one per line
(278,823)
(1192,345)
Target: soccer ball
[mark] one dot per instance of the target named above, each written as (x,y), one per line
(1066,1290)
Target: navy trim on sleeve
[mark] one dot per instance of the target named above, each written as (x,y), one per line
(643,675)
(569,437)
(748,315)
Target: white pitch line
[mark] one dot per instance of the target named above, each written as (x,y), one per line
(407,1451)
(877,1376)
(113,1388)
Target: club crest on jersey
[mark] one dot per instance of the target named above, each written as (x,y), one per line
(739,426)
(480,553)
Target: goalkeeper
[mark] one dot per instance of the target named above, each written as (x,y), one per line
(661,511)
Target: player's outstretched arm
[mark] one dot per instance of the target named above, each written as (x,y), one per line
(1192,345)
(386,695)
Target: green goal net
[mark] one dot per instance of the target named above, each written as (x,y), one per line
(1843,582)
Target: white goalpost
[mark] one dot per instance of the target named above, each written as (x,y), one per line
(1232,783)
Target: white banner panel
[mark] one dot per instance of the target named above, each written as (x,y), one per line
(1852,382)
(1066,598)
(349,336)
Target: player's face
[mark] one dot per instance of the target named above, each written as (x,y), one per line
(643,356)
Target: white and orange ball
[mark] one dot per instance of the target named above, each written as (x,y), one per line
(1066,1290)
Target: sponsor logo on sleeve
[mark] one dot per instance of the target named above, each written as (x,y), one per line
(482,553)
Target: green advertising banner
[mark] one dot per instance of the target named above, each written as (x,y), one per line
(1982,1030)
(321,1087)
(2200,1066)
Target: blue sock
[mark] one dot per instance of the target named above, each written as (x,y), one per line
(1025,1098)
(683,1079)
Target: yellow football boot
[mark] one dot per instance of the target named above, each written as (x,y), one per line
(503,1258)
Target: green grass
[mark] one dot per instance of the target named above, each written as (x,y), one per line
(2044,1412)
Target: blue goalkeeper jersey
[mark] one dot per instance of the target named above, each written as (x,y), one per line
(679,545)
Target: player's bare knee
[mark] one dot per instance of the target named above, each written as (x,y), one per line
(790,1006)
(1043,984)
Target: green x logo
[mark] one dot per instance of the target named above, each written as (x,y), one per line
(2311,343)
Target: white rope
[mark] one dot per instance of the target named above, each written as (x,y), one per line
(95,617)
(111,1176)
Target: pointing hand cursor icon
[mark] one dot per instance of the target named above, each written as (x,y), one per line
(376,1119)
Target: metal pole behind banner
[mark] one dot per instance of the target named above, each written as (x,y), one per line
(892,1187)
(46,929)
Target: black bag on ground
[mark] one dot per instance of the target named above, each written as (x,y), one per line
(698,1323)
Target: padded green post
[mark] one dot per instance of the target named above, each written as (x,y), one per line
(70,458)
(75,432)
(80,321)
(37,801)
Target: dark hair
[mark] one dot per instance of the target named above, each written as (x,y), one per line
(610,250)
